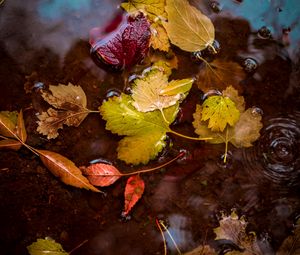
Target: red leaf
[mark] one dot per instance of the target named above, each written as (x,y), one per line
(101,174)
(133,192)
(126,46)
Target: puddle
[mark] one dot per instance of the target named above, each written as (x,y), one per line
(46,42)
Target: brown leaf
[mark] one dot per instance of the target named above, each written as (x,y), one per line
(70,103)
(7,127)
(102,174)
(133,192)
(65,169)
(219,74)
(21,129)
(202,250)
(10,144)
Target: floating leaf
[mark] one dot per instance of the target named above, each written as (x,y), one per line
(177,87)
(10,144)
(46,246)
(233,228)
(21,129)
(219,74)
(159,38)
(133,192)
(291,245)
(147,91)
(163,62)
(102,174)
(126,46)
(142,130)
(187,27)
(7,125)
(220,111)
(202,250)
(70,103)
(65,169)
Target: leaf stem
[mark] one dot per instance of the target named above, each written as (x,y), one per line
(163,115)
(171,237)
(78,246)
(189,137)
(210,67)
(163,236)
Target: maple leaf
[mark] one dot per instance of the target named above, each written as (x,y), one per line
(133,192)
(70,109)
(65,169)
(153,92)
(219,74)
(187,27)
(145,130)
(101,174)
(127,45)
(46,246)
(233,228)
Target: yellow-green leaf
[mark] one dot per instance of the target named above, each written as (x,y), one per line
(187,27)
(177,87)
(7,124)
(219,111)
(46,246)
(159,38)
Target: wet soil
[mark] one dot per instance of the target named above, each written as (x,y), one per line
(47,43)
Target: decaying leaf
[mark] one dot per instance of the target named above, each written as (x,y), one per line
(202,250)
(220,111)
(46,246)
(133,192)
(65,169)
(219,74)
(233,228)
(145,130)
(127,45)
(10,144)
(69,102)
(291,245)
(151,92)
(187,27)
(101,174)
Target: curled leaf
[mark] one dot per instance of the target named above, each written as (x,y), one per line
(133,192)
(187,27)
(127,45)
(65,169)
(69,102)
(102,174)
(46,246)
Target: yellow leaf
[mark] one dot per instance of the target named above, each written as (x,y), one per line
(220,111)
(176,87)
(7,126)
(159,38)
(187,27)
(167,63)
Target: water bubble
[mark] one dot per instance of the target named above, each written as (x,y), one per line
(196,57)
(228,162)
(39,85)
(213,49)
(211,92)
(264,33)
(215,6)
(112,93)
(128,90)
(250,65)
(256,111)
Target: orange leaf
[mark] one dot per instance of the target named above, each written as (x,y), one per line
(65,169)
(21,129)
(102,174)
(133,192)
(10,144)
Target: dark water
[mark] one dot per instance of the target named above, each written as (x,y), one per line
(46,42)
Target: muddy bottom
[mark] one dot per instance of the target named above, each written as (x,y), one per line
(46,42)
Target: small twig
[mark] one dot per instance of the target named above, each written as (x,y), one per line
(78,246)
(171,237)
(162,235)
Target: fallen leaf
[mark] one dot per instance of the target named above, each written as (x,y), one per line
(219,111)
(187,27)
(65,169)
(233,228)
(70,109)
(10,144)
(101,174)
(7,124)
(21,129)
(177,87)
(145,130)
(127,45)
(165,64)
(291,245)
(46,246)
(202,250)
(159,38)
(133,192)
(146,91)
(219,74)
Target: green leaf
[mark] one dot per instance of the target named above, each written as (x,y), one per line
(145,131)
(187,27)
(220,111)
(177,87)
(46,246)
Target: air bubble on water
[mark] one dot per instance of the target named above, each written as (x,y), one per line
(264,33)
(228,163)
(112,93)
(39,85)
(215,6)
(211,92)
(196,57)
(256,111)
(250,65)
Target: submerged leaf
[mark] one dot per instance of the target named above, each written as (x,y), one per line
(7,125)
(46,246)
(65,169)
(21,129)
(10,144)
(142,130)
(219,74)
(133,192)
(127,45)
(177,87)
(187,27)
(70,103)
(102,174)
